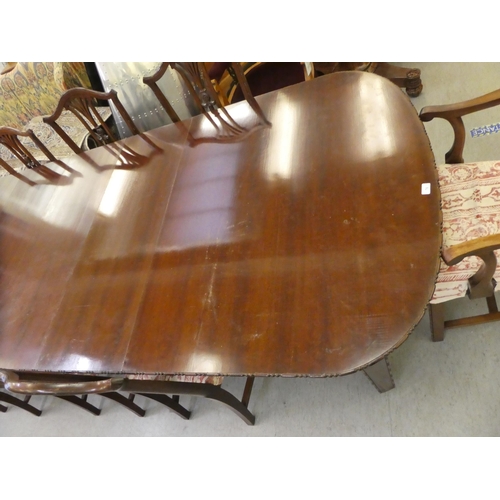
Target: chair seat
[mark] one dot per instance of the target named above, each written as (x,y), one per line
(197,379)
(470,200)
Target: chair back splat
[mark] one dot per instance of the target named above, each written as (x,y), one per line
(206,98)
(83,104)
(9,138)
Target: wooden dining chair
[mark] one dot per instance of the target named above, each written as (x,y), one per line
(73,389)
(205,96)
(24,403)
(157,387)
(83,103)
(18,153)
(470,199)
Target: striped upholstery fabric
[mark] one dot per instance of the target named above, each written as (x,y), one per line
(470,195)
(199,379)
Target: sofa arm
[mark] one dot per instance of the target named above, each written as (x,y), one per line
(68,75)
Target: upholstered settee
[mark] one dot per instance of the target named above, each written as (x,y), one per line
(33,89)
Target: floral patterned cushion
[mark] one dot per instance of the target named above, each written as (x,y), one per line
(470,198)
(34,88)
(199,379)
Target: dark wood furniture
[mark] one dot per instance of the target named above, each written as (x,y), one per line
(453,114)
(305,249)
(482,284)
(83,103)
(155,387)
(24,403)
(68,388)
(408,78)
(9,137)
(75,389)
(201,88)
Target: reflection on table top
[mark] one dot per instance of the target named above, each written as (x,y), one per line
(307,248)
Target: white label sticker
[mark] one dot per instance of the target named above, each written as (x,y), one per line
(426,188)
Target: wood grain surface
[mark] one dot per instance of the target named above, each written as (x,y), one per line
(306,248)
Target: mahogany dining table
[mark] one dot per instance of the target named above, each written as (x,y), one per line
(308,247)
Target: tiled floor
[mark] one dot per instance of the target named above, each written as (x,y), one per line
(442,389)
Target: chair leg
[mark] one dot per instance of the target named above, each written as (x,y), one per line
(219,394)
(20,403)
(492,304)
(247,392)
(127,402)
(170,402)
(156,389)
(436,314)
(3,408)
(82,403)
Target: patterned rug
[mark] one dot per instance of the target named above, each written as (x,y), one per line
(68,122)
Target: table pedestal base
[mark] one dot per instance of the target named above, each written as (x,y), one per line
(380,375)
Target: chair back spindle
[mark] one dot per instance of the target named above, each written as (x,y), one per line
(10,139)
(206,98)
(82,104)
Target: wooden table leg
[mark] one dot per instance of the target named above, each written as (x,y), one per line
(380,375)
(436,314)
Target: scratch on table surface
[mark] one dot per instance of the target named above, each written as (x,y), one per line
(210,293)
(331,350)
(210,300)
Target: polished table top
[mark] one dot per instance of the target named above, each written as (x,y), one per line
(307,248)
